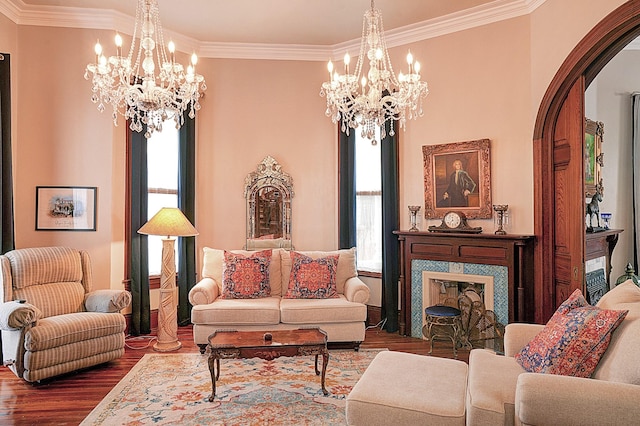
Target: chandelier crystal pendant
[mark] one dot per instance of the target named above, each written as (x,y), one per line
(130,84)
(370,101)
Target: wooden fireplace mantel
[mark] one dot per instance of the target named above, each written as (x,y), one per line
(513,251)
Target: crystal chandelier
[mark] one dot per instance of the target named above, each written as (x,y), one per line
(370,101)
(130,84)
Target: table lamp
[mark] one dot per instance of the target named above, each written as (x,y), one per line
(169,221)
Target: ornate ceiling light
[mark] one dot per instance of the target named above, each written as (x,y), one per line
(130,84)
(369,101)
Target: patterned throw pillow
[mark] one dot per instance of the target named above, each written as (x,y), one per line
(573,341)
(246,277)
(312,279)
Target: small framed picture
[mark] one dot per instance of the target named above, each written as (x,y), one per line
(66,208)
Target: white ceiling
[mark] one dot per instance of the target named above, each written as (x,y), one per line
(314,28)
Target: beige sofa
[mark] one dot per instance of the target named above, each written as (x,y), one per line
(499,391)
(342,318)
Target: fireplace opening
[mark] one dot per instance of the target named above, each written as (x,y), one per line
(473,295)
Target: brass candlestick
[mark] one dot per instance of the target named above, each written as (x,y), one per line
(414,220)
(500,209)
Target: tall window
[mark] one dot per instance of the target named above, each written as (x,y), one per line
(162,175)
(368,204)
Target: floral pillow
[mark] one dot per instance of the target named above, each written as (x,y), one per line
(312,278)
(573,341)
(246,277)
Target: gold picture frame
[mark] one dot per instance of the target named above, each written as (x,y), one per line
(593,157)
(467,190)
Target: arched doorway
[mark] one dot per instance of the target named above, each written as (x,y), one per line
(558,153)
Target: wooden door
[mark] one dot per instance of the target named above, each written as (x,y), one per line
(568,182)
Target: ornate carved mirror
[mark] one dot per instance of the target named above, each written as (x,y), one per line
(268,192)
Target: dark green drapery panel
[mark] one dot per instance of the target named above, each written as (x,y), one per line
(139,252)
(186,202)
(7,239)
(390,223)
(347,182)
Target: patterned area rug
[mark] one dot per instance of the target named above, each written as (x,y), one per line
(173,389)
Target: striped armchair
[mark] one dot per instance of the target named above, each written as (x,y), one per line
(50,321)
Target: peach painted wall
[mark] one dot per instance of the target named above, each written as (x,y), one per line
(253,109)
(64,141)
(485,82)
(477,80)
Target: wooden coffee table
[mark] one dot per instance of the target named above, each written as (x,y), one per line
(233,344)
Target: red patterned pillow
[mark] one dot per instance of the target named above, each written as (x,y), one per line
(312,279)
(246,277)
(573,341)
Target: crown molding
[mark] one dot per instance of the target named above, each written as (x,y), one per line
(10,10)
(70,17)
(489,13)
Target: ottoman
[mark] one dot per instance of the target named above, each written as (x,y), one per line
(407,389)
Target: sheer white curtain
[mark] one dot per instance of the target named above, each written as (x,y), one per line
(635,133)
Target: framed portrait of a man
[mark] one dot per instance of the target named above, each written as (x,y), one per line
(457,176)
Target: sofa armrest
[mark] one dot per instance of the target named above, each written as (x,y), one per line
(107,301)
(517,335)
(203,293)
(548,399)
(356,291)
(15,316)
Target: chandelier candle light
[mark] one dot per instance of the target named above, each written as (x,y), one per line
(370,101)
(130,84)
(169,221)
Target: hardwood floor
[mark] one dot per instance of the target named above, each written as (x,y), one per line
(68,399)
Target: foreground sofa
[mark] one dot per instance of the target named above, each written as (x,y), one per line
(51,320)
(342,317)
(499,391)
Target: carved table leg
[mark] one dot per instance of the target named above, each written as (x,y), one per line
(317,371)
(325,361)
(212,362)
